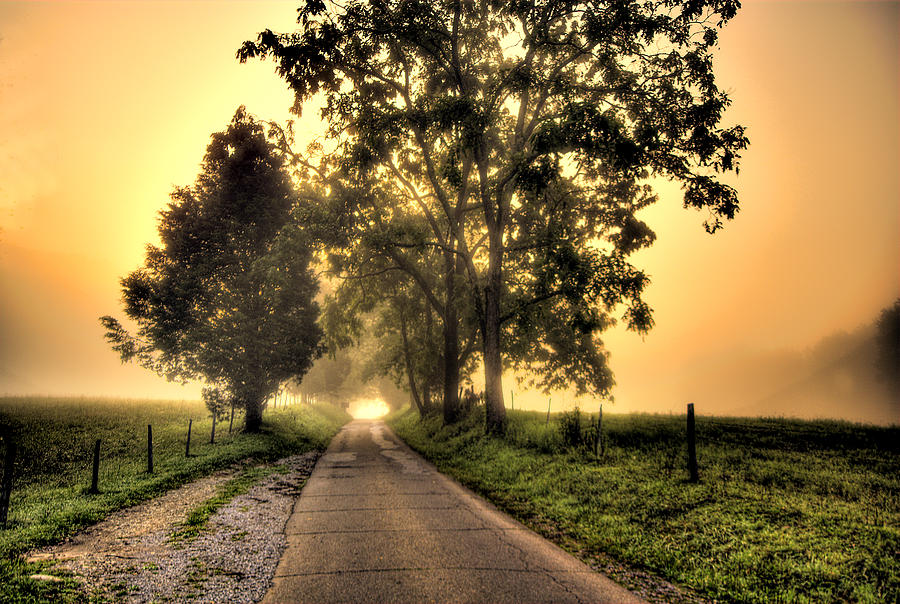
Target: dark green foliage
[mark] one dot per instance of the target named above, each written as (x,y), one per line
(570,428)
(228,297)
(787,510)
(217,401)
(520,136)
(888,340)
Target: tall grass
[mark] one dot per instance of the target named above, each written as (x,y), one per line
(799,511)
(55,438)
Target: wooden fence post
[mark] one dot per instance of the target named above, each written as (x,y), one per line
(512,401)
(212,436)
(6,485)
(548,411)
(692,444)
(95,473)
(149,449)
(598,437)
(187,447)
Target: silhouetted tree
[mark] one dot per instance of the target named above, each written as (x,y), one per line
(331,378)
(520,132)
(409,350)
(390,238)
(228,296)
(392,311)
(888,340)
(374,238)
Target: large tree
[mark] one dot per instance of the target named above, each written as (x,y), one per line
(228,295)
(522,132)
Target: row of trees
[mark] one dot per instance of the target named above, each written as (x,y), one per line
(477,194)
(486,163)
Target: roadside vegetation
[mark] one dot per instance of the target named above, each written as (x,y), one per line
(55,439)
(786,510)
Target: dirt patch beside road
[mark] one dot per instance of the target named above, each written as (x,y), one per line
(131,554)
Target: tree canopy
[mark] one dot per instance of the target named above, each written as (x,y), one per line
(228,296)
(516,139)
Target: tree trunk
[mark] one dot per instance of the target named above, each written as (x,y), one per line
(451,366)
(410,373)
(426,397)
(495,411)
(432,375)
(451,347)
(253,419)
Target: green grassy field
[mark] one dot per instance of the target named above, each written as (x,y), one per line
(55,439)
(786,511)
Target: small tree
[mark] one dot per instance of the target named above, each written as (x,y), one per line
(228,297)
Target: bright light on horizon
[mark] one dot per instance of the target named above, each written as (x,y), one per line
(368,408)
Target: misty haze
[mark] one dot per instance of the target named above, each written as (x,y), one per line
(450,301)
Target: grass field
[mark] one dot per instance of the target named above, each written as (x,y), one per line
(55,439)
(786,511)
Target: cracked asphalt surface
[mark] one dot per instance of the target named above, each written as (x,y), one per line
(377,523)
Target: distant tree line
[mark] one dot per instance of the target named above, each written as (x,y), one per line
(888,342)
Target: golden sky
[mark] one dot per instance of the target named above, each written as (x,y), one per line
(105,106)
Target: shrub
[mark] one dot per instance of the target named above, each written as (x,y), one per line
(570,428)
(469,401)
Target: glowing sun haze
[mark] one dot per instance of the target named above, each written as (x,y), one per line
(368,408)
(105,106)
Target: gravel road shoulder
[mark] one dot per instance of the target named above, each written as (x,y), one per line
(131,555)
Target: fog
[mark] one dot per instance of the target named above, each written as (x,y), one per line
(368,408)
(771,316)
(835,379)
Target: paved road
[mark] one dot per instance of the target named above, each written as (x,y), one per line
(377,523)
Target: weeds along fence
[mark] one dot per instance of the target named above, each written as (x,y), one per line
(679,440)
(772,453)
(95,450)
(575,434)
(11,450)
